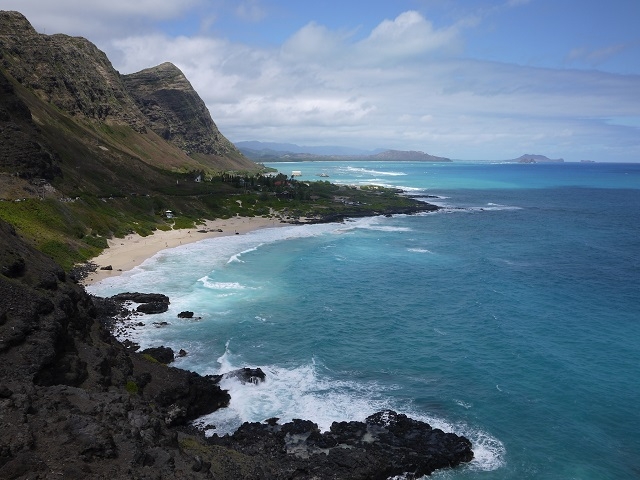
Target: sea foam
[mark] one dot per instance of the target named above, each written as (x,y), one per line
(304,391)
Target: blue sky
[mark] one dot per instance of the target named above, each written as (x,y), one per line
(466,79)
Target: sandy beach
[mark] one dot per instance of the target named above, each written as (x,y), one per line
(126,253)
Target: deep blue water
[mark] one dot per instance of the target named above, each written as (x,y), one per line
(512,316)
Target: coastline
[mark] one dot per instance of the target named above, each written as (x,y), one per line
(123,254)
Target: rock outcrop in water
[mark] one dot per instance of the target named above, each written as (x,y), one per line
(73,400)
(385,445)
(75,403)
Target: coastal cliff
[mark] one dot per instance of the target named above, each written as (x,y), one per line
(68,72)
(80,152)
(73,401)
(88,154)
(76,403)
(177,113)
(156,111)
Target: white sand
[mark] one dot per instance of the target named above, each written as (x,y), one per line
(125,253)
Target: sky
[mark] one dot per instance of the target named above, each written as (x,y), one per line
(464,79)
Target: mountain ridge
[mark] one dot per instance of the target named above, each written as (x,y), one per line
(294,148)
(74,76)
(289,152)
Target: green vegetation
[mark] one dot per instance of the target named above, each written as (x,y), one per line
(76,229)
(132,387)
(149,358)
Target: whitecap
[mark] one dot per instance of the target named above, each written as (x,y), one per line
(488,451)
(236,257)
(304,392)
(495,207)
(462,403)
(386,228)
(374,172)
(293,392)
(207,283)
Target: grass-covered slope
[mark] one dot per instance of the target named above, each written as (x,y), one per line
(87,154)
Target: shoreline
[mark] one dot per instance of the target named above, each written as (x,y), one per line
(123,254)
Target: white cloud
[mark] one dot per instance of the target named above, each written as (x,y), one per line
(595,57)
(314,43)
(317,89)
(405,85)
(99,20)
(408,35)
(250,10)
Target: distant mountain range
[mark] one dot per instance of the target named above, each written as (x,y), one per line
(289,152)
(275,147)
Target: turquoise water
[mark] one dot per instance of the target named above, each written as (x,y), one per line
(512,316)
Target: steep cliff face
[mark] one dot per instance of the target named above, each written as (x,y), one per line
(77,78)
(72,399)
(21,151)
(175,111)
(69,72)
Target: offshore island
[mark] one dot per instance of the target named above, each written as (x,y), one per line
(91,160)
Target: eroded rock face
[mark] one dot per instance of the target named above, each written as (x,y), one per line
(77,78)
(141,297)
(162,354)
(247,375)
(69,72)
(150,303)
(74,400)
(175,111)
(20,150)
(386,444)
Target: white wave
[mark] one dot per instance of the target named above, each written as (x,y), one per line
(304,392)
(419,250)
(462,404)
(175,270)
(294,393)
(488,451)
(206,282)
(386,228)
(376,224)
(288,393)
(374,172)
(236,257)
(496,207)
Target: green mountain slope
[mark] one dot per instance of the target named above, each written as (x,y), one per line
(87,154)
(84,151)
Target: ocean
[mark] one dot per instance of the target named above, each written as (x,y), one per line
(511,316)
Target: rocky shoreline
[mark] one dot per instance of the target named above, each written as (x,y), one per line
(76,403)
